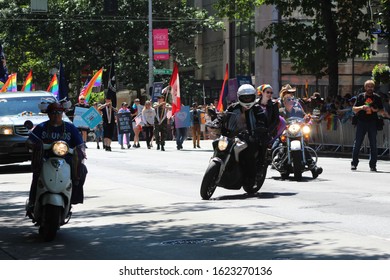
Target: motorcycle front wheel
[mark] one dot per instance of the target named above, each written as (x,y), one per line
(298,165)
(51,222)
(260,177)
(209,185)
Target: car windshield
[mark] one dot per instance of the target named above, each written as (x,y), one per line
(17,105)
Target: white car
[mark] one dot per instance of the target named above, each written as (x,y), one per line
(15,109)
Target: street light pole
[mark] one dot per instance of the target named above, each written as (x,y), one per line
(150,46)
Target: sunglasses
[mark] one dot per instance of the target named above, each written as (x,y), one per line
(269,92)
(55,113)
(289,99)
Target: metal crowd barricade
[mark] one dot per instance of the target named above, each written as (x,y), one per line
(327,137)
(342,137)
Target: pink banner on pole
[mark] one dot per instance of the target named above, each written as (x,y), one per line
(160,44)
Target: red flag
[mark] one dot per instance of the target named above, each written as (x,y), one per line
(220,102)
(175,89)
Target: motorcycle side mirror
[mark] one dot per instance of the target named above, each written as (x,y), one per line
(28,124)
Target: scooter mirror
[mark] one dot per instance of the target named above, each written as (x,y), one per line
(28,124)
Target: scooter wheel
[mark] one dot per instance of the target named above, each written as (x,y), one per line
(50,222)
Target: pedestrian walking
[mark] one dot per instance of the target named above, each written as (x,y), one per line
(108,115)
(98,130)
(124,109)
(367,106)
(136,111)
(83,130)
(148,115)
(195,124)
(160,122)
(182,122)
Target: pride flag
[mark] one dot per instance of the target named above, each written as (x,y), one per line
(10,84)
(53,86)
(221,95)
(96,81)
(27,86)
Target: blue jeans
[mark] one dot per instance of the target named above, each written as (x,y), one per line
(181,135)
(362,128)
(120,138)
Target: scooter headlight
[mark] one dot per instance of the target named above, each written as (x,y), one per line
(222,143)
(60,148)
(294,129)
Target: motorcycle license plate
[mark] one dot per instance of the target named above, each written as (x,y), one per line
(295,145)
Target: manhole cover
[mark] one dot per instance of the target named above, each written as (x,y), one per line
(188,241)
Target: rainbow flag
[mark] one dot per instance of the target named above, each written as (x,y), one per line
(27,86)
(96,81)
(331,122)
(10,84)
(53,86)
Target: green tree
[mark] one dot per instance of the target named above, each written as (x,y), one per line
(326,32)
(81,34)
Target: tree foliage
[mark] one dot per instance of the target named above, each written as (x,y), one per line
(315,34)
(83,35)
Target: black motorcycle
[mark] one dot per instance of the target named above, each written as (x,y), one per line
(294,155)
(225,168)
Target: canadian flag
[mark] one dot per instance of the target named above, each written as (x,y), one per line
(175,89)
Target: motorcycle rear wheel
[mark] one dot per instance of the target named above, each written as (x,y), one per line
(51,222)
(209,185)
(252,189)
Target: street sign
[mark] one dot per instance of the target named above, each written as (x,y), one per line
(162,71)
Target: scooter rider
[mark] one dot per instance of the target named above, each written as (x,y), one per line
(53,130)
(247,118)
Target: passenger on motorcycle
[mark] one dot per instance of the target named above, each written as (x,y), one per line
(53,130)
(247,120)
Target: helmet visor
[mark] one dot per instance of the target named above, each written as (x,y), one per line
(247,98)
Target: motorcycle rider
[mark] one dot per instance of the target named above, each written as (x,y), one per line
(53,130)
(246,119)
(291,107)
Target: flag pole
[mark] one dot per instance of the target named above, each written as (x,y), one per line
(150,31)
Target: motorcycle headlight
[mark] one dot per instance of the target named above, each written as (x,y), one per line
(306,129)
(222,144)
(294,128)
(60,148)
(6,130)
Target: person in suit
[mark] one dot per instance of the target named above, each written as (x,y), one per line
(160,122)
(108,115)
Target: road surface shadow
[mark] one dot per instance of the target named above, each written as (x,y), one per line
(259,195)
(15,168)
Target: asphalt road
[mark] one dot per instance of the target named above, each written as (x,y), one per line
(145,205)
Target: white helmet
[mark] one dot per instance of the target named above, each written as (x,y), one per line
(246,95)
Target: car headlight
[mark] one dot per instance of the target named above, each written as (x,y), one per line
(294,128)
(306,129)
(222,144)
(60,148)
(6,130)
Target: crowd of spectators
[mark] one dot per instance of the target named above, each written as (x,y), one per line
(341,106)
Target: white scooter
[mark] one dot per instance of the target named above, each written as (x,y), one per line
(54,189)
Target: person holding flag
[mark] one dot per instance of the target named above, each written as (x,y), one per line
(83,130)
(161,121)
